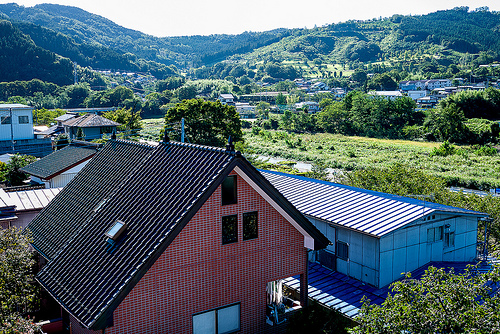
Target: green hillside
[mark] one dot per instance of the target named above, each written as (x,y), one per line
(21,59)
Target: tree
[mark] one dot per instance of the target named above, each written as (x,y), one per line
(13,175)
(280,99)
(440,302)
(128,119)
(206,122)
(17,292)
(79,134)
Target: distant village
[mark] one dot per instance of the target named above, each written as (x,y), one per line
(128,232)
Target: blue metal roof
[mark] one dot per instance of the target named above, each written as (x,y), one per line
(344,293)
(364,210)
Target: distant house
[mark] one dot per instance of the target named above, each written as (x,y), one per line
(391,95)
(226,99)
(310,106)
(416,94)
(176,238)
(245,110)
(18,208)
(93,126)
(408,85)
(16,131)
(60,167)
(375,237)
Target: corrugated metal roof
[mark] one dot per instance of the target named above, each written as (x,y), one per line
(28,199)
(366,211)
(344,293)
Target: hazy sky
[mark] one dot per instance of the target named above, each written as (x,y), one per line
(205,17)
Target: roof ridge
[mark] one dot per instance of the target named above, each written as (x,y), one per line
(202,147)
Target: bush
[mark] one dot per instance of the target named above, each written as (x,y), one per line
(444,150)
(486,151)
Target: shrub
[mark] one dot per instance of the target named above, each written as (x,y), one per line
(444,150)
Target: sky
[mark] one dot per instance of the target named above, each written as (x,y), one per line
(205,17)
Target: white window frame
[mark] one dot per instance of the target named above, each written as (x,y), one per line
(213,315)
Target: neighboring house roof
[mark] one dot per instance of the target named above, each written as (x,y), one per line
(366,211)
(52,130)
(156,191)
(65,117)
(226,96)
(27,200)
(14,106)
(61,160)
(6,157)
(89,121)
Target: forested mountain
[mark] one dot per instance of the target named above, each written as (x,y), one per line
(84,27)
(450,43)
(21,59)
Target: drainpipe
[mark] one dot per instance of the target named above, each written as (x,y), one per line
(11,129)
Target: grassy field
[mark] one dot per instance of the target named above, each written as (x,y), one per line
(348,153)
(151,129)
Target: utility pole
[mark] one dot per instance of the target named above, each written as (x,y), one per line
(182,130)
(74,72)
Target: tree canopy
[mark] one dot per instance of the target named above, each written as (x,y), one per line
(206,123)
(442,301)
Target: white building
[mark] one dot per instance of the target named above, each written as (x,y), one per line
(226,99)
(391,95)
(60,167)
(16,122)
(375,237)
(416,94)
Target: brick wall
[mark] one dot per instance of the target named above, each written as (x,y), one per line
(197,273)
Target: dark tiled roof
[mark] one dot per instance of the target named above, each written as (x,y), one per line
(61,160)
(156,200)
(73,206)
(89,121)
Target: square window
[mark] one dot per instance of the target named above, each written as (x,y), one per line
(342,250)
(229,190)
(223,320)
(250,225)
(5,120)
(229,229)
(24,120)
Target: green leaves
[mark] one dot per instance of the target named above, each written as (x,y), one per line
(440,302)
(206,123)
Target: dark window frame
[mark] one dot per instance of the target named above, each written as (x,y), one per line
(229,193)
(341,248)
(24,117)
(5,120)
(229,229)
(250,232)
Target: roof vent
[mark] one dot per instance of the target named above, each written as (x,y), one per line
(116,230)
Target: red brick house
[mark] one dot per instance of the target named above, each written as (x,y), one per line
(177,238)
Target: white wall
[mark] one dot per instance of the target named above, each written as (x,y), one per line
(21,131)
(409,248)
(64,178)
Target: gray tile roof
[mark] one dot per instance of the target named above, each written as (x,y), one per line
(61,160)
(89,121)
(363,210)
(155,191)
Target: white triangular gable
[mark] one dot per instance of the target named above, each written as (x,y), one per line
(308,240)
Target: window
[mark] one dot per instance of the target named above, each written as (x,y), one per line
(116,230)
(24,120)
(5,120)
(250,225)
(229,190)
(342,250)
(449,239)
(219,321)
(435,234)
(229,229)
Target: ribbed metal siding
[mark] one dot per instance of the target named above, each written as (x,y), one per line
(363,210)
